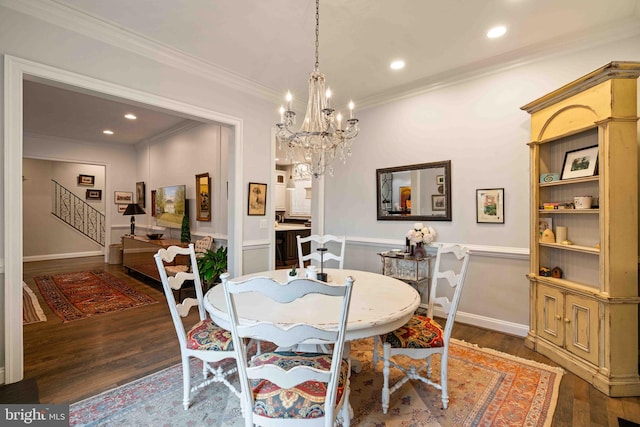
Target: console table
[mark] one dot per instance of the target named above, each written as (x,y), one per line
(410,269)
(138,252)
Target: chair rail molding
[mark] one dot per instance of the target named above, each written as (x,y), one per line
(477,250)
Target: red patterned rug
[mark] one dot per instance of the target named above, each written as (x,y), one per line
(74,296)
(486,388)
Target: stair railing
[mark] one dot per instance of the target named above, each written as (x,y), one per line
(77,213)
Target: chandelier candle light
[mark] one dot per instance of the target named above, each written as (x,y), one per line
(321,137)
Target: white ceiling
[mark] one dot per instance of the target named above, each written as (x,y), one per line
(271,43)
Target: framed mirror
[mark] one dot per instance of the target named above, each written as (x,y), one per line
(419,192)
(203,197)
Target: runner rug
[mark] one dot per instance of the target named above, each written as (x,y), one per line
(31,310)
(74,296)
(486,388)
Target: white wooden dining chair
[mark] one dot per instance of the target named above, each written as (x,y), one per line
(204,340)
(422,336)
(321,242)
(283,387)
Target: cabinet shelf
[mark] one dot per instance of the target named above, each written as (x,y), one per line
(574,248)
(568,211)
(569,181)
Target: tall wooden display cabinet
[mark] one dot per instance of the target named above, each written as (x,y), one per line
(584,302)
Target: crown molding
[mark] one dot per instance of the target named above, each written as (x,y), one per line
(621,30)
(72,19)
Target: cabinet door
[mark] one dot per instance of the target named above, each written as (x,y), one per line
(281,197)
(550,309)
(581,323)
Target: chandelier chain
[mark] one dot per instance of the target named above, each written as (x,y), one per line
(317,35)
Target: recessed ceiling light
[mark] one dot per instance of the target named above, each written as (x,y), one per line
(397,65)
(496,32)
(107,132)
(130,116)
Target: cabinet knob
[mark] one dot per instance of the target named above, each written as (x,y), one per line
(567,320)
(558,317)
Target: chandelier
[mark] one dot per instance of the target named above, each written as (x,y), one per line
(321,138)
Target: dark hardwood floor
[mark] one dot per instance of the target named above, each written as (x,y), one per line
(75,360)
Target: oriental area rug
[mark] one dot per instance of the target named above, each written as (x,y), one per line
(486,388)
(31,310)
(79,295)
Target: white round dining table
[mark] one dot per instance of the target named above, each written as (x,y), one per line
(379,304)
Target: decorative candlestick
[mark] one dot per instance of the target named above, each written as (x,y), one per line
(322,275)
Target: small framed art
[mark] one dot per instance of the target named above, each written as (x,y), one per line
(86,180)
(440,179)
(140,194)
(203,197)
(257,201)
(438,202)
(122,197)
(490,205)
(94,195)
(580,163)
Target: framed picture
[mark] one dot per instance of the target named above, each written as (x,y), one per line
(543,224)
(140,196)
(123,197)
(490,205)
(405,198)
(122,208)
(580,163)
(203,197)
(87,180)
(438,202)
(94,195)
(257,203)
(153,202)
(439,179)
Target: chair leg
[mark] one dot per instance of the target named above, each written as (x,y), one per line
(444,365)
(428,360)
(376,340)
(386,356)
(186,382)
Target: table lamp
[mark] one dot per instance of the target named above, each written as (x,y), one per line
(133,209)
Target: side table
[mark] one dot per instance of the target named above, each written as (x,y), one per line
(414,271)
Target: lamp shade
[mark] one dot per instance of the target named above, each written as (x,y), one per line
(133,209)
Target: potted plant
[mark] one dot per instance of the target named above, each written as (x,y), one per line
(293,273)
(211,264)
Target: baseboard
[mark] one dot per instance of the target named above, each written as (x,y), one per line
(487,322)
(62,256)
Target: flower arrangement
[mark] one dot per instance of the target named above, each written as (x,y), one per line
(421,234)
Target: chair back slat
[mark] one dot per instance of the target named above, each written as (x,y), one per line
(273,289)
(321,241)
(458,256)
(288,378)
(289,337)
(170,283)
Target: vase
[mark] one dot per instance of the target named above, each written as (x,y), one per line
(420,251)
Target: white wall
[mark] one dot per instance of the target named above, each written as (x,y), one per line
(176,159)
(478,125)
(45,236)
(96,55)
(118,161)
